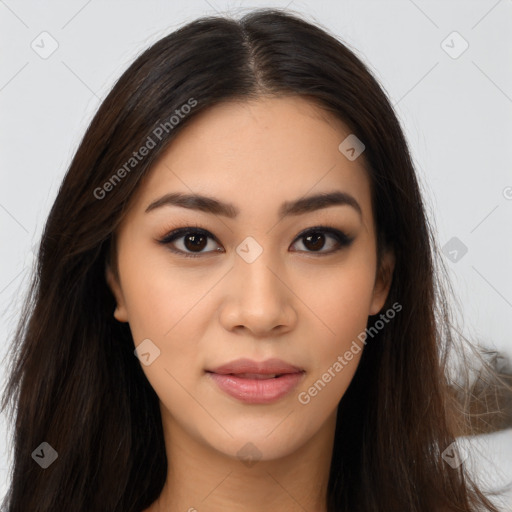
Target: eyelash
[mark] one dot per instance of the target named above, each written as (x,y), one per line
(343,239)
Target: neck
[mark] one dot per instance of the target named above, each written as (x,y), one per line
(201,478)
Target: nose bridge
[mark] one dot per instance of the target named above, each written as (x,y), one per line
(256,271)
(260,300)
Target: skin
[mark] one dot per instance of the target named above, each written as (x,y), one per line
(295,302)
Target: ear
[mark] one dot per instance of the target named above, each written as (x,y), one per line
(120,313)
(383,282)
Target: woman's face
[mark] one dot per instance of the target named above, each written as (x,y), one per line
(248,280)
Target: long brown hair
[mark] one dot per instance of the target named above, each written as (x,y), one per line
(75,383)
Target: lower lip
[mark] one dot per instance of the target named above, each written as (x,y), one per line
(257,391)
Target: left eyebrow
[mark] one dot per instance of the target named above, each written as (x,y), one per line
(297,207)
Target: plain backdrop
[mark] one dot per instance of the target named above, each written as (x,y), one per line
(444,64)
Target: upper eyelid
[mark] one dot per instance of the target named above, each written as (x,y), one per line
(178,232)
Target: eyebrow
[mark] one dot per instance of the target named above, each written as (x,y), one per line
(297,207)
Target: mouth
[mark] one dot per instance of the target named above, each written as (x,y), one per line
(256,383)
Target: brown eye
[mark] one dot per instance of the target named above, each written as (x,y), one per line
(315,239)
(189,242)
(195,242)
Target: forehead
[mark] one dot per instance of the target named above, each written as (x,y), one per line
(259,152)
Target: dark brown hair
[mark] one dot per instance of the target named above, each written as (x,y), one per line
(75,382)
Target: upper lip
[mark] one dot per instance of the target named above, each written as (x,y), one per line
(268,367)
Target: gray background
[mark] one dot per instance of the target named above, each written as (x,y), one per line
(456,111)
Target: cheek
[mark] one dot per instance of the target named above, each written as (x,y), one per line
(158,296)
(164,306)
(341,299)
(341,296)
(171,306)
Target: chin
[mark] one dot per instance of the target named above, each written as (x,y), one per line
(267,441)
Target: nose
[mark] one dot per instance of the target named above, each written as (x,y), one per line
(258,298)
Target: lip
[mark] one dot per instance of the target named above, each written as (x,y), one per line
(267,367)
(249,381)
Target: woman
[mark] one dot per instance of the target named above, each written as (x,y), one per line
(242,216)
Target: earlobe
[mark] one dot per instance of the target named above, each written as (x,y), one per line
(383,282)
(120,313)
